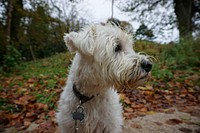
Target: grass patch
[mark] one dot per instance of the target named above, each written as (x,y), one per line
(149,48)
(55,65)
(183,55)
(51,66)
(39,79)
(161,73)
(47,99)
(5,105)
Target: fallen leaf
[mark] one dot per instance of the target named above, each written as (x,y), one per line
(151,112)
(185,118)
(41,106)
(62,82)
(128,109)
(168,97)
(46,127)
(137,126)
(31,80)
(143,109)
(148,92)
(142,88)
(158,123)
(137,106)
(30,114)
(169,111)
(174,121)
(191,90)
(14,116)
(51,113)
(27,122)
(127,101)
(129,115)
(185,130)
(24,100)
(122,96)
(141,114)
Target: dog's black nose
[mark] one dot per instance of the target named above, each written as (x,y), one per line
(146,65)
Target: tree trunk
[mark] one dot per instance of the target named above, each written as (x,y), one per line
(8,21)
(16,19)
(184,13)
(8,29)
(32,54)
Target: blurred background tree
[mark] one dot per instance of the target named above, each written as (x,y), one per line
(165,14)
(144,33)
(34,29)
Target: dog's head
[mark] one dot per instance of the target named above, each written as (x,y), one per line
(110,55)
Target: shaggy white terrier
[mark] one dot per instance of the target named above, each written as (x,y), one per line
(104,62)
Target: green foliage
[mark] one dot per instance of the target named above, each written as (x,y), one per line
(183,55)
(34,32)
(12,58)
(51,66)
(44,36)
(174,12)
(149,48)
(5,105)
(144,33)
(164,74)
(47,98)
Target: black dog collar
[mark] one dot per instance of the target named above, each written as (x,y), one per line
(80,96)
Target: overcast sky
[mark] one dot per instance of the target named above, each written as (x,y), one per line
(100,10)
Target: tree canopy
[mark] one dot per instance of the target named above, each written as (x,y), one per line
(34,28)
(143,32)
(166,14)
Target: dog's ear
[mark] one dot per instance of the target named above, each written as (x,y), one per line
(69,41)
(83,42)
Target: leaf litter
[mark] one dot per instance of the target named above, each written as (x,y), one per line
(34,100)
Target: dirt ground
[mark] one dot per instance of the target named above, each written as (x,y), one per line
(176,122)
(171,122)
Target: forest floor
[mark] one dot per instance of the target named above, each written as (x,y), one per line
(168,103)
(173,121)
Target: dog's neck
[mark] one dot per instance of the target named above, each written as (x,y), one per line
(82,98)
(89,88)
(84,78)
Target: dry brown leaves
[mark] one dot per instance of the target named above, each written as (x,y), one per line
(20,105)
(159,96)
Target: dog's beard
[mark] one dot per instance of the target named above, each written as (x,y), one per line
(129,78)
(132,82)
(140,81)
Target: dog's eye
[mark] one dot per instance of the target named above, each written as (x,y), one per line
(118,48)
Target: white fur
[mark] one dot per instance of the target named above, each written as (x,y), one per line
(98,69)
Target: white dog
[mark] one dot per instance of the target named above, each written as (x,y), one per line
(104,62)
